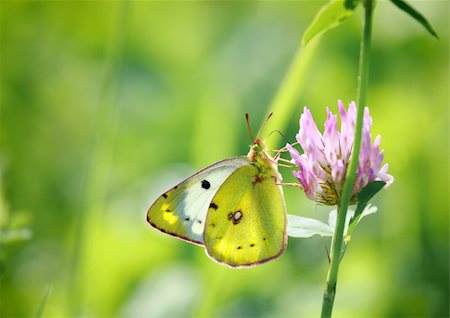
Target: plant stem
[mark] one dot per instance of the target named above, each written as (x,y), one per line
(337,241)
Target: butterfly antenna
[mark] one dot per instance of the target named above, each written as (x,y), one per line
(281,134)
(264,124)
(247,119)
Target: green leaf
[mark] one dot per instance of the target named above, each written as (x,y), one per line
(298,226)
(305,227)
(328,17)
(351,226)
(402,5)
(348,229)
(364,197)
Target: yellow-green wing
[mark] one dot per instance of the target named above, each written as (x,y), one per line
(181,211)
(246,220)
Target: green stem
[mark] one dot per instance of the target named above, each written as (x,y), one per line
(337,241)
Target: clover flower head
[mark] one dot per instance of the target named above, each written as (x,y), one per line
(325,158)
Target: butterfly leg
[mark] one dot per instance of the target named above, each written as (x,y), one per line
(289,184)
(275,161)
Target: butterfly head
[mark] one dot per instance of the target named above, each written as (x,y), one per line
(257,148)
(259,155)
(257,152)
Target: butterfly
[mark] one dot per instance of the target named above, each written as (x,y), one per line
(235,208)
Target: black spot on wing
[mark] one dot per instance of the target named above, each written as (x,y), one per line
(199,221)
(239,247)
(253,244)
(165,195)
(213,206)
(205,184)
(187,219)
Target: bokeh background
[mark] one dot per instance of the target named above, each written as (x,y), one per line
(106,104)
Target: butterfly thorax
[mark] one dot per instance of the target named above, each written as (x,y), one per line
(263,161)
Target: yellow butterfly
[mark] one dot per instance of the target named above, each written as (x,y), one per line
(234,207)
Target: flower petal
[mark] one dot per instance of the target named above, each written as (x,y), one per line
(323,165)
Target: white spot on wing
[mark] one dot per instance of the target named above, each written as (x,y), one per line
(197,228)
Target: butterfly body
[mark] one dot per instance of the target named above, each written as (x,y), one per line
(235,208)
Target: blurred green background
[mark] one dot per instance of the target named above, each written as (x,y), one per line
(105,105)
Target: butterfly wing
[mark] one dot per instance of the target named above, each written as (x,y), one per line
(246,220)
(181,211)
